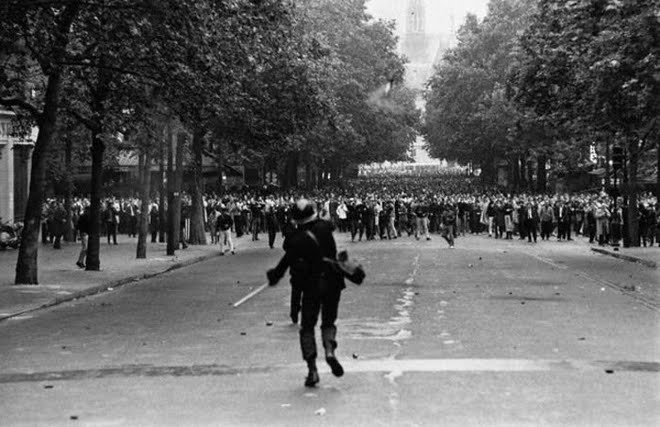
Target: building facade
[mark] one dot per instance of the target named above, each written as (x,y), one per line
(15,161)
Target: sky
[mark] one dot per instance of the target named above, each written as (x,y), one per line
(439,12)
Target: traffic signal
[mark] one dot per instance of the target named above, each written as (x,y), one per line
(617,157)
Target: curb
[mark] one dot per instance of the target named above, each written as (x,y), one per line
(650,264)
(104,287)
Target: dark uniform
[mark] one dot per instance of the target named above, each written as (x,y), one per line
(271,225)
(321,287)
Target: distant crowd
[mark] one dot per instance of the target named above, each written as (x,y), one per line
(385,208)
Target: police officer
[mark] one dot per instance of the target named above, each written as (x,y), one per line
(321,285)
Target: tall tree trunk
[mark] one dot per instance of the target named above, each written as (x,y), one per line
(541,177)
(26,265)
(291,170)
(145,164)
(530,175)
(172,218)
(220,153)
(162,215)
(178,186)
(68,196)
(657,172)
(197,229)
(523,173)
(515,174)
(93,262)
(633,211)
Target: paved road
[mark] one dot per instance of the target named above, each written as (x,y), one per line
(491,333)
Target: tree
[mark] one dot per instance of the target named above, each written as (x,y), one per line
(35,41)
(592,67)
(470,117)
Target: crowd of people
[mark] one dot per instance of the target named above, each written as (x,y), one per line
(384,208)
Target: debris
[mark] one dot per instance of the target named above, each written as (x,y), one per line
(510,293)
(557,293)
(479,258)
(582,339)
(609,371)
(522,302)
(320,412)
(269,323)
(416,293)
(355,356)
(73,417)
(243,333)
(470,265)
(238,281)
(63,347)
(49,386)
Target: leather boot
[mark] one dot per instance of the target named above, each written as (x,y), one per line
(331,359)
(312,374)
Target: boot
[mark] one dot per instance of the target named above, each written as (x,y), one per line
(312,374)
(335,366)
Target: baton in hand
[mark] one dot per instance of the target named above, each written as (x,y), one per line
(251,294)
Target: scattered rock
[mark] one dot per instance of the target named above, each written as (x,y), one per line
(479,258)
(111,289)
(73,417)
(582,339)
(269,323)
(510,293)
(522,302)
(470,265)
(63,347)
(609,371)
(243,333)
(355,356)
(286,405)
(557,293)
(49,386)
(320,412)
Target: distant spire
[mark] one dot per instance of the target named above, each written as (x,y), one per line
(416,17)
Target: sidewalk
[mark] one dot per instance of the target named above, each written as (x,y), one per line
(61,280)
(649,256)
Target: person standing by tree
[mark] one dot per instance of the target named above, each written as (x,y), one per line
(223,226)
(83,226)
(321,285)
(111,218)
(59,223)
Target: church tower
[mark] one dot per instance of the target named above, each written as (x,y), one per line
(415,41)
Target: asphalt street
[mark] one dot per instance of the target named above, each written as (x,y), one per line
(491,333)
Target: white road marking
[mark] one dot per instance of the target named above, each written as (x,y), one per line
(397,367)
